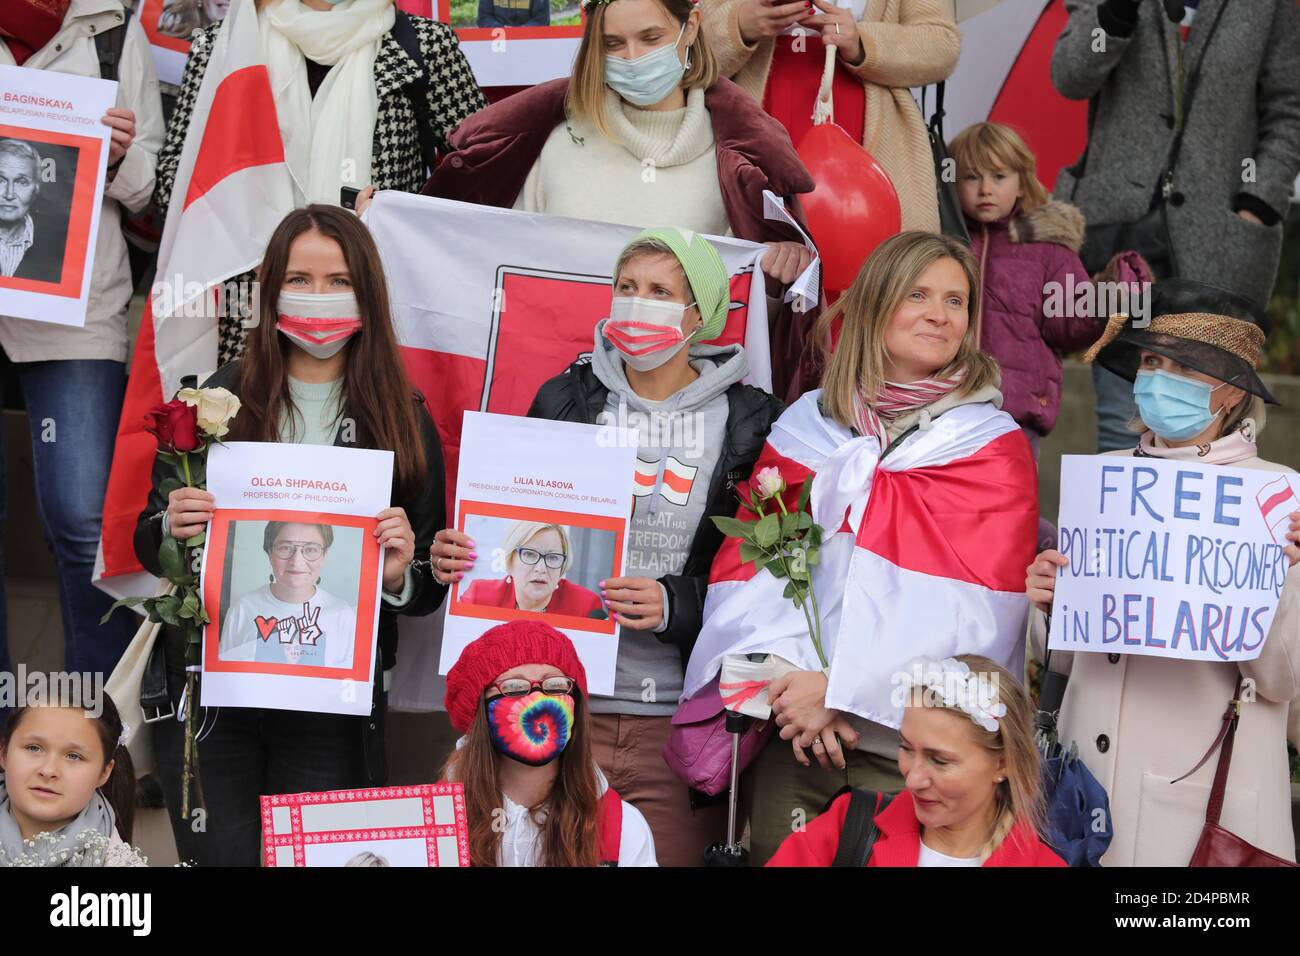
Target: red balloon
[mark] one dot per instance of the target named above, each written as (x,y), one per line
(854,207)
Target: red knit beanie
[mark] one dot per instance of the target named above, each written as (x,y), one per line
(495,652)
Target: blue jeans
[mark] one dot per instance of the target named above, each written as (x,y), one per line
(73,408)
(1115,409)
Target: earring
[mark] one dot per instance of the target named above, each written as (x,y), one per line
(318,580)
(270,578)
(688,59)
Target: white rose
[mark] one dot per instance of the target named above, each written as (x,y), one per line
(217,407)
(769,482)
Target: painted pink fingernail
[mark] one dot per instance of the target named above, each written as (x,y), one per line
(459,575)
(473,555)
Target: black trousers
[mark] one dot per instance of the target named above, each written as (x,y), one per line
(246,752)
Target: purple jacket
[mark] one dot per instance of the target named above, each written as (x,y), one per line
(1019,256)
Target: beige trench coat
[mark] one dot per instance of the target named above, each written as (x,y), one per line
(907,43)
(1141,722)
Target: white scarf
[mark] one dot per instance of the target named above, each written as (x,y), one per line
(327,139)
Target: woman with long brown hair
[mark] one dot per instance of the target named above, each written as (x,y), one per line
(926,494)
(533,793)
(322,368)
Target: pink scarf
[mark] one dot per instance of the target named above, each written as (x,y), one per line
(895,399)
(1227,450)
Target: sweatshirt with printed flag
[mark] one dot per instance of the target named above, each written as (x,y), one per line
(679,446)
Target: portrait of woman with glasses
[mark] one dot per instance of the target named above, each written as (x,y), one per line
(536,557)
(291,619)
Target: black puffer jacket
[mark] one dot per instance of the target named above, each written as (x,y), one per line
(578,396)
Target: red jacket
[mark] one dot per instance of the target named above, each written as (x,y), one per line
(568,598)
(899,840)
(494,150)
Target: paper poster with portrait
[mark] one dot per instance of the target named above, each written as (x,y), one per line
(539,38)
(291,576)
(168,25)
(421,825)
(547,506)
(53,160)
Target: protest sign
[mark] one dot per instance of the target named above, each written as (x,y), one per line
(53,160)
(1168,558)
(291,576)
(546,504)
(393,826)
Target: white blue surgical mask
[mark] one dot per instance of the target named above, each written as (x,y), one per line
(1175,407)
(649,78)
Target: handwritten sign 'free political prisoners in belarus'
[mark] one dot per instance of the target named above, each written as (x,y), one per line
(1170,559)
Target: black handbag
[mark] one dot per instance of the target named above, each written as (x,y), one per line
(952,222)
(1148,235)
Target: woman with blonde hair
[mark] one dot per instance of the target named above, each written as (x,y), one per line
(926,494)
(973,794)
(644,134)
(536,555)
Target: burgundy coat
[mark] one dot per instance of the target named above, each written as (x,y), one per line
(1018,256)
(494,150)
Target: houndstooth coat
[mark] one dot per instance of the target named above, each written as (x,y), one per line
(397,161)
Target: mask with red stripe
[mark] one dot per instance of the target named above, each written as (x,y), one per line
(646,331)
(320,325)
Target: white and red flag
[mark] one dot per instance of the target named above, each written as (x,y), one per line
(232,189)
(925,554)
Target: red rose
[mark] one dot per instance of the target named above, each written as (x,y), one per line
(175,425)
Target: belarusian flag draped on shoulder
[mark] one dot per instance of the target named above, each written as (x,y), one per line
(925,554)
(232,189)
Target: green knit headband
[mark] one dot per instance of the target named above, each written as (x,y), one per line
(704,271)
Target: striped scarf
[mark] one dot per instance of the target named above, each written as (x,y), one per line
(895,399)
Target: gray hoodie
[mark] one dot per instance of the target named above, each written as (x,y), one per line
(678,450)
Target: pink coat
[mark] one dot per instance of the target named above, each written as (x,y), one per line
(1019,256)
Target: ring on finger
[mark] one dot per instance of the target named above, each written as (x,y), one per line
(437,565)
(837,29)
(817,742)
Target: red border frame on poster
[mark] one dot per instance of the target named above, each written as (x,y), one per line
(366,600)
(430,831)
(488,509)
(79,215)
(150,14)
(570,31)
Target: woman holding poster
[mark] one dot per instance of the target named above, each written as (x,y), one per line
(533,793)
(73,378)
(1141,722)
(364,93)
(322,368)
(700,430)
(645,133)
(925,491)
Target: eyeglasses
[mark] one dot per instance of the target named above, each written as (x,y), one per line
(286,550)
(519,687)
(554,559)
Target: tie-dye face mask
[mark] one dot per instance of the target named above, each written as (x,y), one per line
(533,729)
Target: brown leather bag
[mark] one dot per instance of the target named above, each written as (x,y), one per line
(1217,846)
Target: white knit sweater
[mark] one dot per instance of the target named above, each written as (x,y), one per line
(662,171)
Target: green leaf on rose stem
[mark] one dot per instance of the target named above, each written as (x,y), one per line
(172,558)
(812,556)
(167,457)
(191,606)
(798,574)
(168,485)
(767,531)
(752,552)
(804,493)
(804,520)
(199,469)
(815,535)
(168,610)
(121,602)
(734,527)
(789,524)
(195,540)
(777,569)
